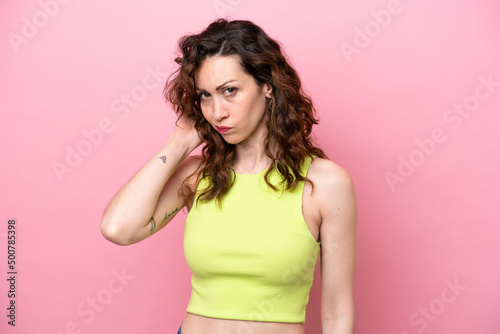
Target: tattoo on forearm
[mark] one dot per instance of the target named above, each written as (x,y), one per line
(153,224)
(169,214)
(163,158)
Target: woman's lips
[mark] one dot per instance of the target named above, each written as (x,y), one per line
(222,129)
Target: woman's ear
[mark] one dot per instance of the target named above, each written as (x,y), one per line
(267,89)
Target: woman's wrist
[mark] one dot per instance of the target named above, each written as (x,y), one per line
(178,146)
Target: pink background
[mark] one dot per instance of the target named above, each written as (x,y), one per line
(387,113)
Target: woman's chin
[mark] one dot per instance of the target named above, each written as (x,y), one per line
(232,142)
(231,139)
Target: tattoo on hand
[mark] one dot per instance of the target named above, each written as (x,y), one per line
(153,224)
(163,158)
(169,214)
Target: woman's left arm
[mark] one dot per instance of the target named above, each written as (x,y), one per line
(338,208)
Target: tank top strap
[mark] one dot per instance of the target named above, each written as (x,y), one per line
(305,165)
(296,195)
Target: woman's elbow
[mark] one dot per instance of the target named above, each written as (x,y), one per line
(115,234)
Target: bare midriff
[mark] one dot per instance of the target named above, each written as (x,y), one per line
(197,324)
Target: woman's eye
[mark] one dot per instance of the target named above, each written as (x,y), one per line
(227,91)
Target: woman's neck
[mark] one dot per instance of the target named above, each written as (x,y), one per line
(250,160)
(250,156)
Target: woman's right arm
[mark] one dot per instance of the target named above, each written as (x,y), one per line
(150,199)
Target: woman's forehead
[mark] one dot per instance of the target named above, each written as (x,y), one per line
(215,71)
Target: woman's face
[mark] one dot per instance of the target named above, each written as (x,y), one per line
(230,100)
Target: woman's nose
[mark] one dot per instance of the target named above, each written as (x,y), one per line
(220,111)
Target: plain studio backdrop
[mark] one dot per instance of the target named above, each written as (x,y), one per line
(408,94)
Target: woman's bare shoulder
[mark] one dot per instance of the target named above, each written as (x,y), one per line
(326,171)
(330,180)
(333,187)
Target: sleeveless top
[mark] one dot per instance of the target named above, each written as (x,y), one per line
(254,259)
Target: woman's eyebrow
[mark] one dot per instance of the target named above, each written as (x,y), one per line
(218,87)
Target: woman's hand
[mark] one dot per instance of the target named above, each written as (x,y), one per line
(185,132)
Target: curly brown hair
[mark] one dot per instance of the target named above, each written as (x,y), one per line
(290,113)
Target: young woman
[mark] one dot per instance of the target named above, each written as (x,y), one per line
(263,201)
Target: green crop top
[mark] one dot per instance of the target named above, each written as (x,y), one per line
(254,259)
